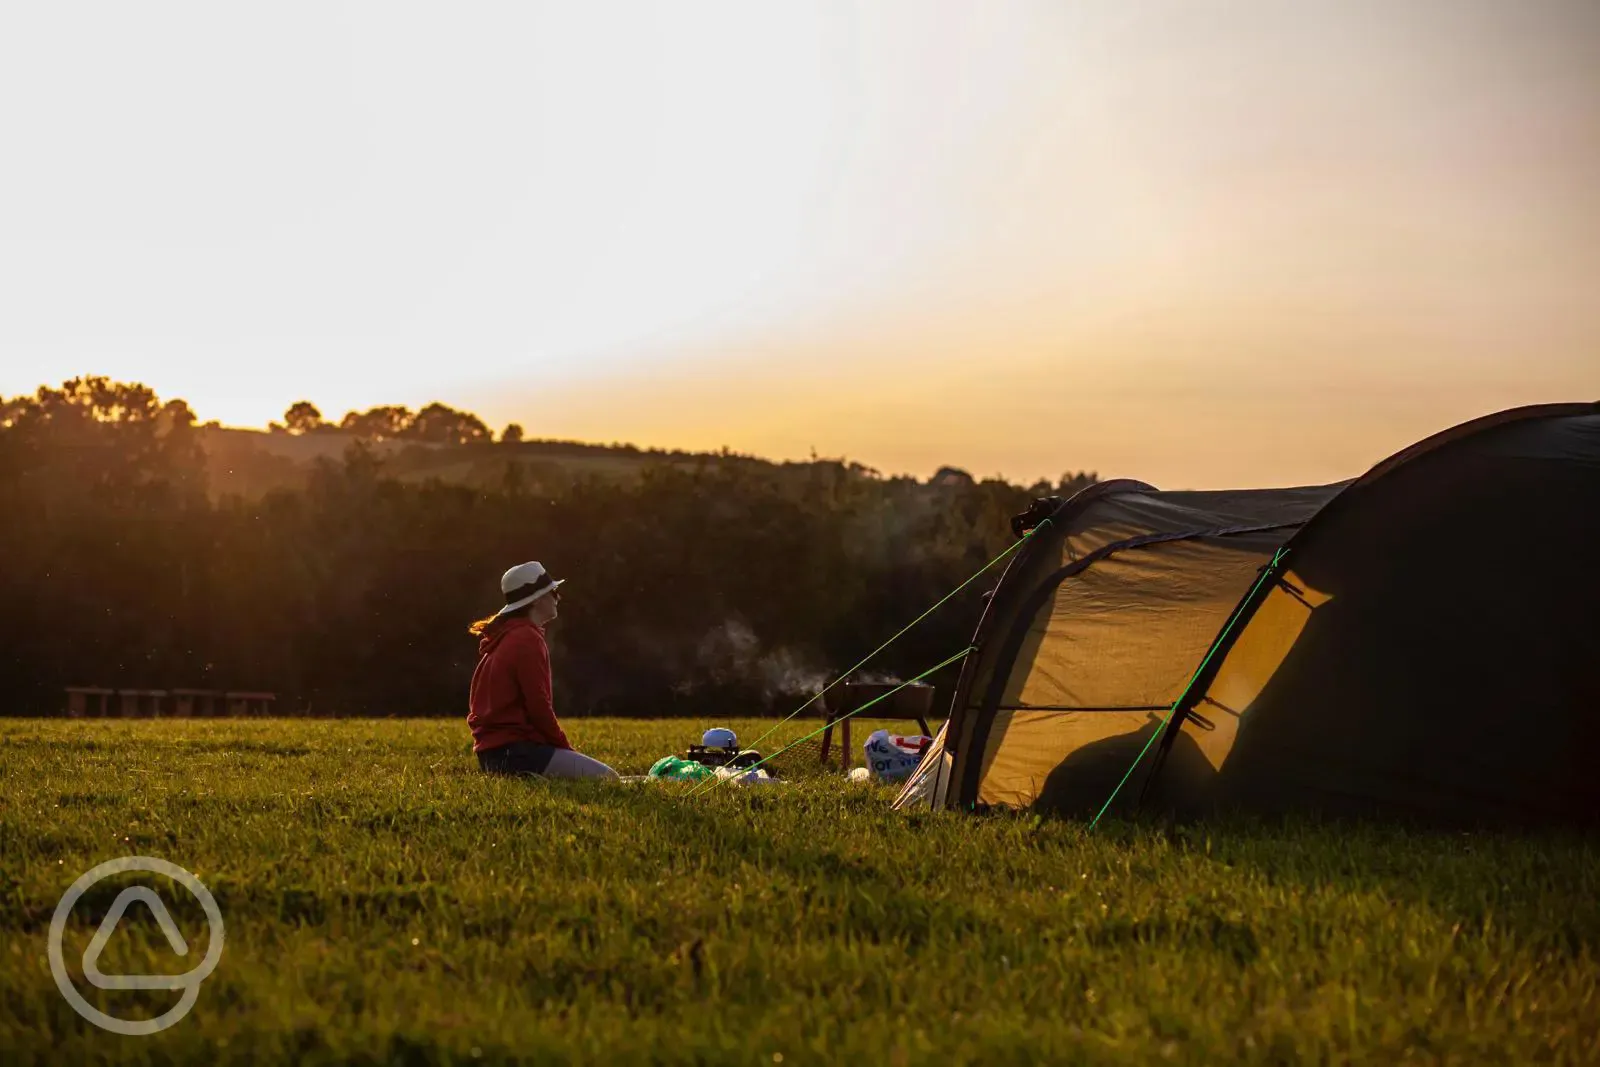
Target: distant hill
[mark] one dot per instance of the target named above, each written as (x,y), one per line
(437,442)
(249,463)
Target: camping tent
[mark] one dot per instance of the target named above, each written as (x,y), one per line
(1422,641)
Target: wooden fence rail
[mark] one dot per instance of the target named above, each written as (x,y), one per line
(94,702)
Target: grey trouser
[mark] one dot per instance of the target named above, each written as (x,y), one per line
(525,757)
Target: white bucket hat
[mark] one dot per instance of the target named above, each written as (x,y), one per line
(525,583)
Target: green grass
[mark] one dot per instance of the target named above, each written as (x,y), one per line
(387,904)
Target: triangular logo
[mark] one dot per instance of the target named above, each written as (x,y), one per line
(97,944)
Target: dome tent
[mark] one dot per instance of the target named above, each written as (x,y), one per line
(1423,641)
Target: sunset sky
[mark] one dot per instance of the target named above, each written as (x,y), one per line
(1200,243)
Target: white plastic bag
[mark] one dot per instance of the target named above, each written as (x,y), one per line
(892,757)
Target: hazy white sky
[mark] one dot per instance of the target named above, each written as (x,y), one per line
(1201,243)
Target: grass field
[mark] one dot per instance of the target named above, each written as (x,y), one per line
(384,903)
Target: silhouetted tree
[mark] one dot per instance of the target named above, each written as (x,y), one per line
(379,423)
(1071,483)
(302,417)
(951,476)
(107,531)
(440,424)
(512,434)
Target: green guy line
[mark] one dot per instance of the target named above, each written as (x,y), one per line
(711,783)
(818,696)
(1266,572)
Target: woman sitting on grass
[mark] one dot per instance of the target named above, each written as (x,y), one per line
(513,721)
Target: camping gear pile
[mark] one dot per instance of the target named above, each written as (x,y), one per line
(889,757)
(716,756)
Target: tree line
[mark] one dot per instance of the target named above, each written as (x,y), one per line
(710,587)
(435,424)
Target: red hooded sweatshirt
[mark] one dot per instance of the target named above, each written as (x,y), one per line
(510,698)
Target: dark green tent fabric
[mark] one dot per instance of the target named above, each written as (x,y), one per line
(1450,666)
(1430,646)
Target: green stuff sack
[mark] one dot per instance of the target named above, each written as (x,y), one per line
(677,769)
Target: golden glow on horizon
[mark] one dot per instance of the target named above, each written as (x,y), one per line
(1265,245)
